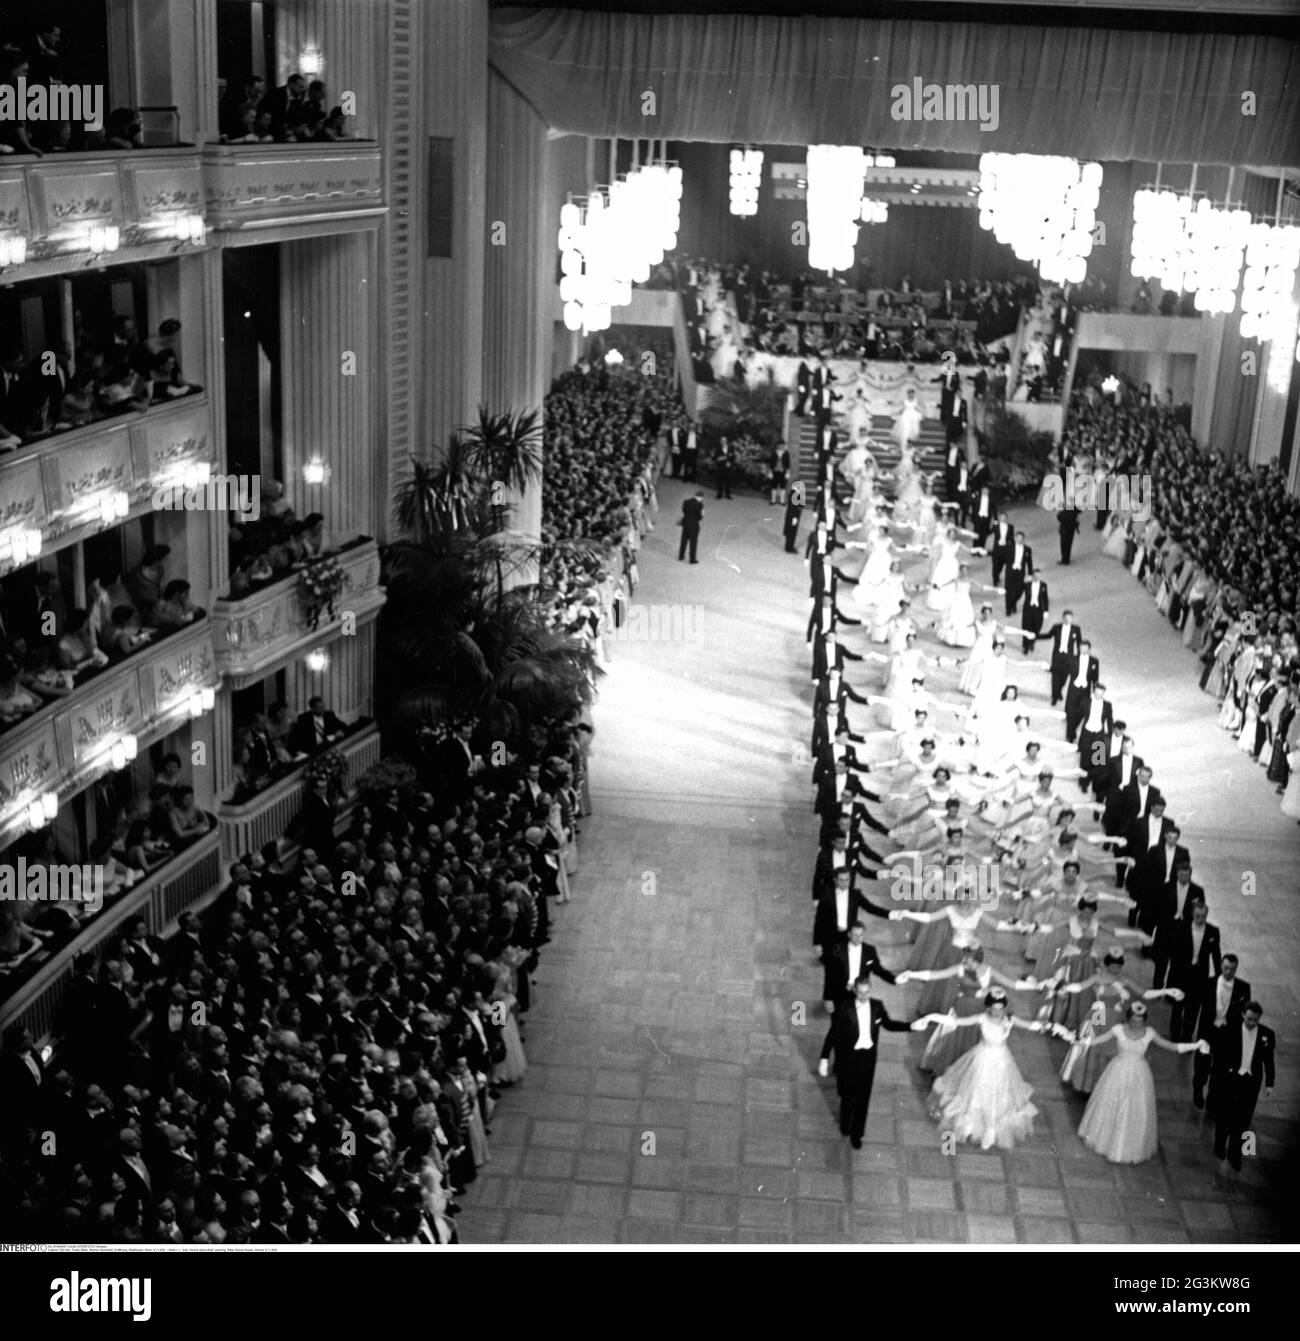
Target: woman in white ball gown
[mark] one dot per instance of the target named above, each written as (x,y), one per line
(859,415)
(987,629)
(945,570)
(907,427)
(1120,1120)
(982,1096)
(908,494)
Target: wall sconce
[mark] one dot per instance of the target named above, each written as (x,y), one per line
(113,507)
(310,62)
(20,544)
(201,701)
(41,812)
(105,239)
(13,251)
(196,475)
(122,751)
(318,662)
(315,471)
(187,228)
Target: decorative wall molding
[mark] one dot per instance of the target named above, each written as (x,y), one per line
(54,486)
(254,635)
(246,185)
(63,747)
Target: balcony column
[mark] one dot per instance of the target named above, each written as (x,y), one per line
(329,328)
(221,746)
(211,368)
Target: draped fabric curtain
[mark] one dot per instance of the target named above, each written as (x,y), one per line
(1085,92)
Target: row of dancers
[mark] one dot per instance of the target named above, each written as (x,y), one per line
(965,816)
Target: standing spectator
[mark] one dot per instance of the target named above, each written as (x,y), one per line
(145,583)
(14,135)
(1243,1060)
(282,102)
(692,516)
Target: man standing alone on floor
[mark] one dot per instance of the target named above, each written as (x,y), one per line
(692,516)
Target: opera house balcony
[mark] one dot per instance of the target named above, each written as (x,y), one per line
(256,633)
(75,209)
(256,186)
(71,485)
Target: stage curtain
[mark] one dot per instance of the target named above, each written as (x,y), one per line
(1085,92)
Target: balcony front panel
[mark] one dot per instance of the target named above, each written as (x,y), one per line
(57,485)
(66,745)
(248,827)
(187,881)
(55,202)
(252,186)
(255,634)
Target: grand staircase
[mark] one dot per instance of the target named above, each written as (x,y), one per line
(929,450)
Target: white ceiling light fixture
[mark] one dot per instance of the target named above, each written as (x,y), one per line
(834,204)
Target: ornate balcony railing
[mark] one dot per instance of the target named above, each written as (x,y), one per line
(254,634)
(67,745)
(258,185)
(57,486)
(186,881)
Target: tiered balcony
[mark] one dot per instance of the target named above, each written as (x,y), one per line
(256,634)
(59,486)
(60,206)
(68,744)
(249,826)
(256,186)
(187,881)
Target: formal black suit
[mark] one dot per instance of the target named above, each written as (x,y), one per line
(790,524)
(1067,525)
(1153,887)
(837,972)
(855,1068)
(824,660)
(1031,616)
(314,825)
(1018,568)
(1232,1095)
(1209,1021)
(692,516)
(1175,967)
(1064,644)
(1003,538)
(1078,696)
(311,733)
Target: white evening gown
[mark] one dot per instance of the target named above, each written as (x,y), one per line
(1291,799)
(982,1096)
(1120,1120)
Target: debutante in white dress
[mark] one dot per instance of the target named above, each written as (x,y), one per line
(957,628)
(981,651)
(1120,1120)
(982,1096)
(946,570)
(907,427)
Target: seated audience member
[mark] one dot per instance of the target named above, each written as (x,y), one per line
(122,129)
(127,635)
(16,702)
(176,609)
(76,649)
(187,821)
(316,728)
(334,127)
(145,582)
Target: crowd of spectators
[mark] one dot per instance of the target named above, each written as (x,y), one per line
(272,744)
(810,314)
(295,112)
(47,650)
(602,429)
(275,543)
(316,1058)
(1218,548)
(103,373)
(142,833)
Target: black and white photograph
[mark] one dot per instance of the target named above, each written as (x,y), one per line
(401,848)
